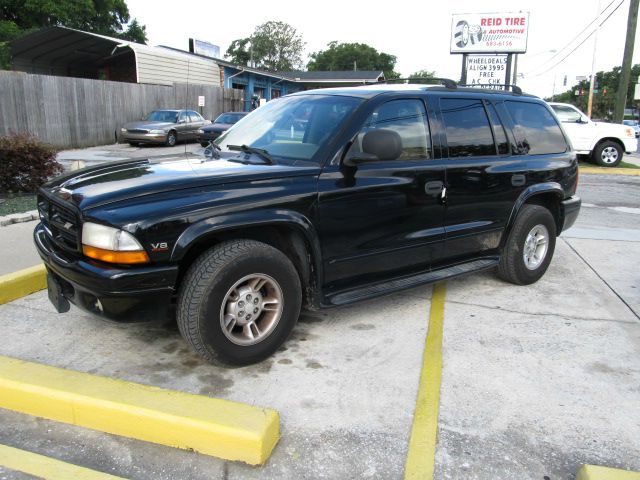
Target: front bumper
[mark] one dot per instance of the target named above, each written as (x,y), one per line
(569,210)
(630,145)
(143,137)
(209,136)
(118,293)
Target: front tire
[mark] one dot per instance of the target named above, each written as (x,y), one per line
(530,246)
(608,154)
(239,302)
(171,139)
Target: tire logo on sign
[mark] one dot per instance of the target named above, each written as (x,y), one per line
(465,33)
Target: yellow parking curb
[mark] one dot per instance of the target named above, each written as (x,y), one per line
(45,467)
(596,472)
(422,444)
(212,426)
(610,171)
(23,282)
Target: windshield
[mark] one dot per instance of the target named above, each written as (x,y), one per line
(291,127)
(162,116)
(229,117)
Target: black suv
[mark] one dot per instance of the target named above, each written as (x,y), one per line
(381,188)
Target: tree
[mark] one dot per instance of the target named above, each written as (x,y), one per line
(275,46)
(423,74)
(353,56)
(603,103)
(107,17)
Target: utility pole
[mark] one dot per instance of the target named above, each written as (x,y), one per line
(515,71)
(593,67)
(621,97)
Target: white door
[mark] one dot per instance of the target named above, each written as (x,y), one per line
(580,132)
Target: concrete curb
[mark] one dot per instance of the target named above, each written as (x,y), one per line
(229,430)
(596,472)
(18,218)
(610,171)
(23,282)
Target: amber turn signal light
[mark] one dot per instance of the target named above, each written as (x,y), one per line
(124,257)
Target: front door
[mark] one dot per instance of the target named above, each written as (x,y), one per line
(378,220)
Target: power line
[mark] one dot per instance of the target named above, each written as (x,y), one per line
(579,45)
(559,52)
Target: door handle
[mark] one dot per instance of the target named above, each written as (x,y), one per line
(518,180)
(433,188)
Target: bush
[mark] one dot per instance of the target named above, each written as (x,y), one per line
(25,163)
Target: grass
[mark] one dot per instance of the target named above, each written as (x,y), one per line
(622,164)
(19,203)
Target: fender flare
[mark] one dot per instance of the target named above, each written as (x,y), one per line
(211,226)
(537,189)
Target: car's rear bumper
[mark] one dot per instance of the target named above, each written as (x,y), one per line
(118,293)
(569,210)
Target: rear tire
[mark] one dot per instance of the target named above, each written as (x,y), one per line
(608,154)
(227,285)
(530,246)
(133,144)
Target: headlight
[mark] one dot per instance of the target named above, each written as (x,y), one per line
(630,132)
(123,130)
(200,131)
(111,245)
(156,132)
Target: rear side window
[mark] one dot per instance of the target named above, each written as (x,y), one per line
(566,114)
(498,131)
(467,127)
(535,128)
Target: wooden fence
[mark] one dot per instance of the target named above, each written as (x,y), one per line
(76,112)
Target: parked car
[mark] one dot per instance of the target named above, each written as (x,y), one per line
(603,143)
(633,124)
(219,125)
(164,127)
(386,188)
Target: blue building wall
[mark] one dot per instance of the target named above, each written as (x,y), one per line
(263,85)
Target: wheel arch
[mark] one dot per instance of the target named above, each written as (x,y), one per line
(548,195)
(290,232)
(608,139)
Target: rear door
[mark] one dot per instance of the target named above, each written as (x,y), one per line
(196,122)
(484,177)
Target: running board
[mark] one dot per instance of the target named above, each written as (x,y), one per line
(377,289)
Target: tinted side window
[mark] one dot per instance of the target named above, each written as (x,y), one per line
(467,127)
(498,131)
(183,117)
(194,117)
(408,118)
(536,130)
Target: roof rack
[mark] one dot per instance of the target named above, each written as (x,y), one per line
(514,88)
(447,82)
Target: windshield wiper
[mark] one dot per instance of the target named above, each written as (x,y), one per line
(268,159)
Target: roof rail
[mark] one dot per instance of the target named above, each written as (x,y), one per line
(514,88)
(447,82)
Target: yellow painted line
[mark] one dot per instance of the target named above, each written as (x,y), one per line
(45,467)
(422,445)
(18,284)
(595,472)
(610,171)
(229,430)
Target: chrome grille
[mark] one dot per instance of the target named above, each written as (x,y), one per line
(137,130)
(62,224)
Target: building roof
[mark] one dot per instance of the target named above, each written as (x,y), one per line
(336,76)
(54,46)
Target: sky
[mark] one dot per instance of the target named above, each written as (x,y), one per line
(417,33)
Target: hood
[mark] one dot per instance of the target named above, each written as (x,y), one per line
(112,182)
(147,125)
(217,127)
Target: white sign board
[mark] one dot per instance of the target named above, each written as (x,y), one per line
(636,92)
(204,48)
(489,32)
(487,70)
(201,100)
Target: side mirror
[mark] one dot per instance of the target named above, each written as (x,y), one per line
(377,145)
(583,119)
